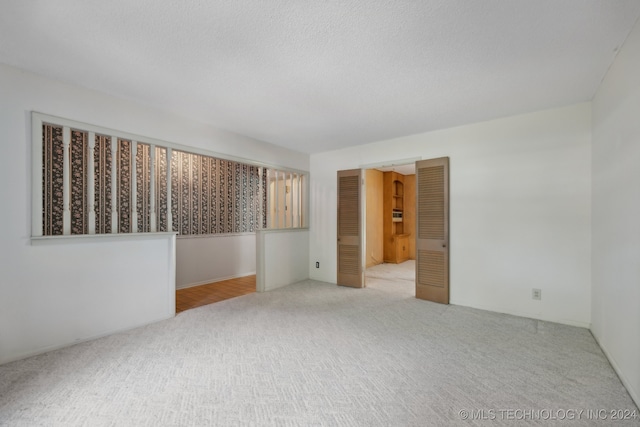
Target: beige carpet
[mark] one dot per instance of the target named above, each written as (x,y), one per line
(403,271)
(396,279)
(315,354)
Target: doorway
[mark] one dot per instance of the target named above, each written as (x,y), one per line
(426,216)
(390,228)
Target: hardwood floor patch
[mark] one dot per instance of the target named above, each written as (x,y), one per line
(210,293)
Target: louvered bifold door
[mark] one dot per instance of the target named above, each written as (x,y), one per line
(349,240)
(432,240)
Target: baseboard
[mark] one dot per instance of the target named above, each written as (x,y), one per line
(635,396)
(55,347)
(586,325)
(220,279)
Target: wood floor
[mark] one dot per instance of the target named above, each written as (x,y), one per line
(214,292)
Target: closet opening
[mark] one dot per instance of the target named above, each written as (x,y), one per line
(390,206)
(393,216)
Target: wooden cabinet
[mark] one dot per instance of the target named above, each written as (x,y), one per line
(402,247)
(396,242)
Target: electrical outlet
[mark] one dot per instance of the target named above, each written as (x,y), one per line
(536,294)
(317,264)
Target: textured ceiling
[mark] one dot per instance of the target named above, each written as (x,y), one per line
(315,75)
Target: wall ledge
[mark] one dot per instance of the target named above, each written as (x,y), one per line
(282,230)
(78,238)
(217,235)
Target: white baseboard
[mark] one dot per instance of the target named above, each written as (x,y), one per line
(217,279)
(635,396)
(569,322)
(103,334)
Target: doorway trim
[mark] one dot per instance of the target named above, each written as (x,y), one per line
(363,231)
(390,163)
(363,218)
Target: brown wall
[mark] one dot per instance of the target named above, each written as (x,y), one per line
(374,254)
(409,216)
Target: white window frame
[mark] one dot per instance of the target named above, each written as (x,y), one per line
(37,121)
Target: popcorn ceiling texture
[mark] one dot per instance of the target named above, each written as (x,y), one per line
(319,75)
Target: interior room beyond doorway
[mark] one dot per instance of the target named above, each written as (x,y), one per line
(390,225)
(393,279)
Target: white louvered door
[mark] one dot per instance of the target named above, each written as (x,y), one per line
(350,272)
(432,229)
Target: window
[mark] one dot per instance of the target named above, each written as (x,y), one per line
(211,196)
(90,180)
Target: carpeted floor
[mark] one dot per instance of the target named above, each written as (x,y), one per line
(395,279)
(405,271)
(315,354)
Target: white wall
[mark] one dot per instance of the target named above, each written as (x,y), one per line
(520,210)
(282,258)
(616,214)
(60,292)
(54,294)
(209,259)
